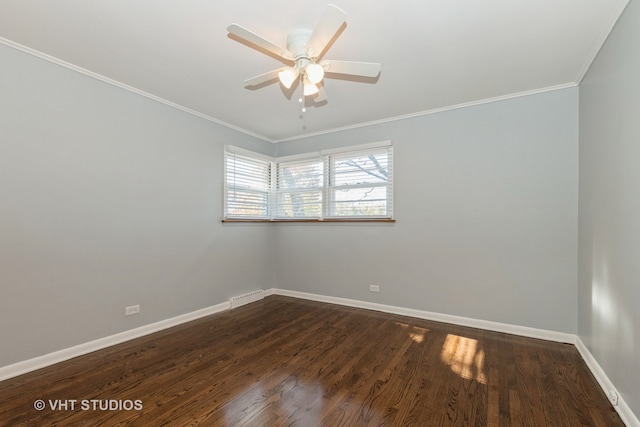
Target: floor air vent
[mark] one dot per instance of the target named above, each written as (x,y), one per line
(246,298)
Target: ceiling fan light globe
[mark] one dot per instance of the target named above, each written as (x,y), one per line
(314,72)
(288,76)
(310,88)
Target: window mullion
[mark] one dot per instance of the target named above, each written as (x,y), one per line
(326,165)
(273,199)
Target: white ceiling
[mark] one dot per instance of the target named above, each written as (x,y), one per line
(434,54)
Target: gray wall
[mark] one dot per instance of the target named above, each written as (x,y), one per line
(609,207)
(109,199)
(486,209)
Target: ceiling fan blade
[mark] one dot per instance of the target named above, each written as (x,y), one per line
(259,41)
(363,69)
(264,78)
(331,21)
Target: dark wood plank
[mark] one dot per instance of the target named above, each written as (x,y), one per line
(289,362)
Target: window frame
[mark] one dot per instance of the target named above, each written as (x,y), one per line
(279,191)
(326,191)
(230,151)
(354,152)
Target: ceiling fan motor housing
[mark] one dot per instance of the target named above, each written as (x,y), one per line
(297,44)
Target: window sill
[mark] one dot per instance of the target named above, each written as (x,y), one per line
(233,220)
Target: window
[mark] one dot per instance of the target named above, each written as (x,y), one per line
(247,187)
(360,184)
(299,188)
(348,184)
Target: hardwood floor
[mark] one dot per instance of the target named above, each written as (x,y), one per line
(289,362)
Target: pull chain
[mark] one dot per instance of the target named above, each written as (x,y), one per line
(301,99)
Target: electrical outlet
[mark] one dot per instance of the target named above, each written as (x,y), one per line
(133,309)
(374,288)
(613,397)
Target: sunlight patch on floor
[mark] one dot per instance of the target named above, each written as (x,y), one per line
(464,358)
(416,333)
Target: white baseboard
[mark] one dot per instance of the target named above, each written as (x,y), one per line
(29,365)
(438,317)
(627,415)
(39,362)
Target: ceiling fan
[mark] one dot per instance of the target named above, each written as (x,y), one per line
(304,51)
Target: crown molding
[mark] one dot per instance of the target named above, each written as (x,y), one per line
(602,38)
(433,111)
(126,87)
(264,138)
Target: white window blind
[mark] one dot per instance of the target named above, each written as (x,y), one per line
(299,188)
(353,183)
(247,186)
(360,184)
